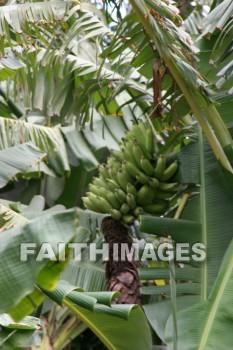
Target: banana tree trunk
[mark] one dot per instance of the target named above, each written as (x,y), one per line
(121,275)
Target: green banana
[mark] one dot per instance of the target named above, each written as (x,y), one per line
(167,187)
(142,178)
(130,136)
(170,171)
(139,134)
(146,166)
(89,205)
(131,201)
(124,208)
(131,189)
(100,182)
(118,155)
(143,127)
(127,175)
(103,171)
(160,167)
(141,139)
(110,161)
(116,166)
(115,214)
(141,142)
(102,192)
(145,195)
(149,140)
(137,153)
(122,180)
(138,211)
(96,204)
(91,195)
(128,152)
(122,146)
(155,208)
(164,195)
(112,172)
(128,147)
(99,204)
(131,168)
(111,197)
(160,201)
(95,189)
(128,158)
(104,204)
(128,219)
(129,185)
(120,195)
(107,169)
(154,183)
(111,185)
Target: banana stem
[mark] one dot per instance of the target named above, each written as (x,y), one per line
(182,205)
(71,329)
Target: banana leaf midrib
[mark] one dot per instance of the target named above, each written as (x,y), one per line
(213,310)
(203,214)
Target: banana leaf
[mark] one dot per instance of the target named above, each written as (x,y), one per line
(117,326)
(17,335)
(208,219)
(17,160)
(18,293)
(208,324)
(48,140)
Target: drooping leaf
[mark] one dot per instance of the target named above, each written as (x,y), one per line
(18,277)
(218,17)
(18,160)
(28,322)
(9,63)
(9,218)
(107,322)
(48,140)
(18,17)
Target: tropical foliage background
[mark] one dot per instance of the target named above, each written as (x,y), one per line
(74,75)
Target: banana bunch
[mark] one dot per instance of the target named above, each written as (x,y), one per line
(134,181)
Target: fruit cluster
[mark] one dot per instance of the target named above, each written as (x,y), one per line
(134,181)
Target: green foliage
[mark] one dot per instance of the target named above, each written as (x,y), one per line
(17,335)
(18,160)
(73,79)
(214,315)
(19,296)
(107,322)
(203,220)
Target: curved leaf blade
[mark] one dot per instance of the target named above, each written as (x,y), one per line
(213,317)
